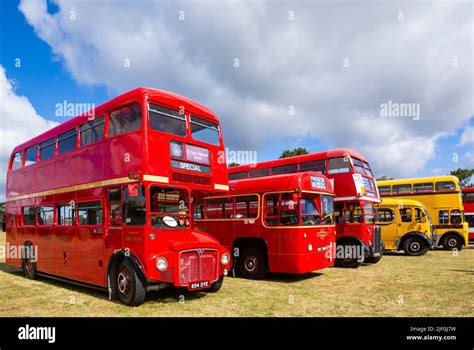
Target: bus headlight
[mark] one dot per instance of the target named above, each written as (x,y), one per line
(225,259)
(161,264)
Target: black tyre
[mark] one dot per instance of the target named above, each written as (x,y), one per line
(452,242)
(415,246)
(216,286)
(252,264)
(349,261)
(373,259)
(28,263)
(130,287)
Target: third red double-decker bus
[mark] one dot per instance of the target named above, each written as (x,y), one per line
(105,198)
(358,237)
(468,204)
(282,223)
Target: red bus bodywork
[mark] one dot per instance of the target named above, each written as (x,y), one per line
(142,141)
(354,186)
(468,204)
(282,217)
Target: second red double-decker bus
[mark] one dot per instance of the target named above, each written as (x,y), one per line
(358,237)
(282,223)
(468,204)
(105,198)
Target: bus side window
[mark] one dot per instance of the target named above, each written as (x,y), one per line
(271,210)
(338,212)
(443,217)
(115,206)
(456,217)
(406,214)
(288,210)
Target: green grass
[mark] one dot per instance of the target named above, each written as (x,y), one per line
(437,284)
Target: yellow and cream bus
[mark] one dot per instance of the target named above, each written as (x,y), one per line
(405,225)
(441,195)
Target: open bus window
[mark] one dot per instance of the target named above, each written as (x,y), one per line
(45,215)
(406,214)
(456,217)
(358,165)
(327,208)
(90,213)
(353,213)
(310,214)
(125,119)
(169,207)
(339,165)
(205,131)
(134,205)
(167,120)
(65,214)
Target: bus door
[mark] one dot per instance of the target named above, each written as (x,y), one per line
(113,231)
(65,244)
(406,223)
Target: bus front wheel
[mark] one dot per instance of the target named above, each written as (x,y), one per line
(252,264)
(415,246)
(216,286)
(452,242)
(130,288)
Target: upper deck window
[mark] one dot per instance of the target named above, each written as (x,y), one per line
(204,131)
(315,165)
(259,172)
(445,186)
(125,119)
(16,161)
(284,169)
(367,169)
(384,190)
(92,131)
(238,176)
(358,165)
(424,187)
(167,120)
(67,141)
(468,197)
(339,165)
(404,188)
(47,149)
(31,155)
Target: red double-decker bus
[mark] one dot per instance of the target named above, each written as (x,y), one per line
(468,204)
(356,192)
(105,198)
(283,223)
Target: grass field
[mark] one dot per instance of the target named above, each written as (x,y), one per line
(437,284)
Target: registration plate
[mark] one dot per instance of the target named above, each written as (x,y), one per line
(199,285)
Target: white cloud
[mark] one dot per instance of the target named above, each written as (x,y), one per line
(20,122)
(467,136)
(425,58)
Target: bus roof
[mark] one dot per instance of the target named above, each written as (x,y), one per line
(419,180)
(404,202)
(333,153)
(280,183)
(165,97)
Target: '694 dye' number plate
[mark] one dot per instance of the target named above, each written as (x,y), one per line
(199,285)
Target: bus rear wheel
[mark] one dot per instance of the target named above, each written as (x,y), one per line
(28,263)
(252,264)
(130,288)
(415,246)
(452,242)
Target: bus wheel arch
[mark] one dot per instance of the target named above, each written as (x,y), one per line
(452,240)
(414,244)
(115,263)
(252,259)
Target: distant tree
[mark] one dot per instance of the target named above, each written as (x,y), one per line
(295,152)
(464,176)
(232,164)
(381,178)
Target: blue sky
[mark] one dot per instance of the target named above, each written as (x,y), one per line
(283,63)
